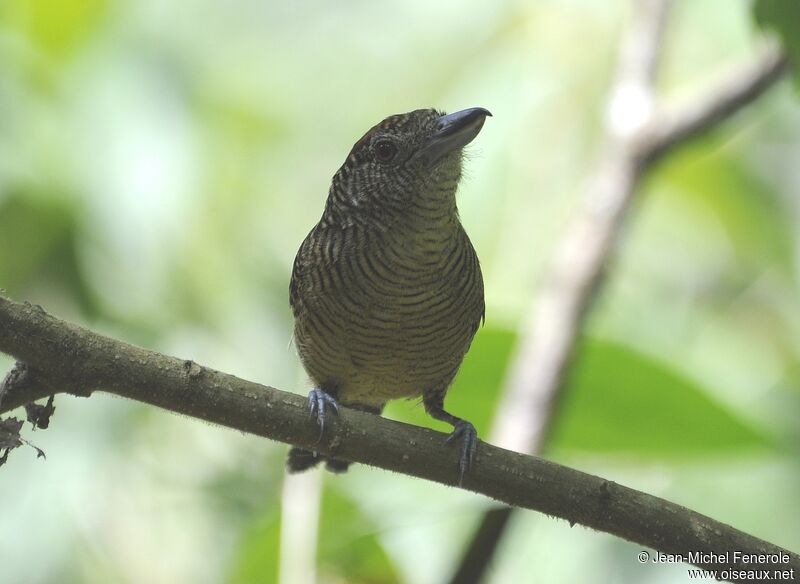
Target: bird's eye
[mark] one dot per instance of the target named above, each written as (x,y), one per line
(385,150)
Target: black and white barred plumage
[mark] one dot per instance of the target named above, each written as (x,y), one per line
(386,289)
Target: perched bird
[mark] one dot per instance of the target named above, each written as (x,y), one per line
(386,289)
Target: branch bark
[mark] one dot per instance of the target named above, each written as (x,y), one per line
(637,136)
(75,359)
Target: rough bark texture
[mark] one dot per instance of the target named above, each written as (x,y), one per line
(74,359)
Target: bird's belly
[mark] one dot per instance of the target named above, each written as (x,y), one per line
(408,362)
(392,346)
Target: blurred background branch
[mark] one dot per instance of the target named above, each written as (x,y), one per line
(681,122)
(637,135)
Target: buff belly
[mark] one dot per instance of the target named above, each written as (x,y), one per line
(378,349)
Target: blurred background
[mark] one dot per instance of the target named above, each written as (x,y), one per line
(160,164)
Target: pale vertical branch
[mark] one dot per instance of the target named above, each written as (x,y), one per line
(300,512)
(549,336)
(635,136)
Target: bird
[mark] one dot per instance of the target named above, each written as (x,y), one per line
(386,289)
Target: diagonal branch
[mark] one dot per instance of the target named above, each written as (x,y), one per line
(80,358)
(637,136)
(740,87)
(533,387)
(577,266)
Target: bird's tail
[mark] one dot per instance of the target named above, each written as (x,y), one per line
(300,459)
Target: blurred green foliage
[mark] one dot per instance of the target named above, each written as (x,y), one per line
(477,387)
(60,28)
(161,162)
(258,551)
(783,16)
(621,401)
(746,207)
(48,231)
(355,550)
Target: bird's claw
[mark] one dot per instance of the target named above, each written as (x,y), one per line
(469,445)
(318,400)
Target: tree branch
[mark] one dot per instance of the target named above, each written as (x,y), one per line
(73,358)
(637,136)
(547,340)
(549,336)
(680,123)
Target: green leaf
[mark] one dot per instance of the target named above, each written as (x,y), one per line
(257,561)
(348,544)
(39,246)
(753,215)
(476,389)
(782,16)
(622,401)
(617,400)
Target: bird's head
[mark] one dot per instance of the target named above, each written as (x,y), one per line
(407,158)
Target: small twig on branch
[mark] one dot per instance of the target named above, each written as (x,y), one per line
(637,136)
(99,363)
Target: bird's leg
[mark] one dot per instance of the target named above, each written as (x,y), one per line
(462,429)
(318,401)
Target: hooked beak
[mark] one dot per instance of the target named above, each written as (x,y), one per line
(454,131)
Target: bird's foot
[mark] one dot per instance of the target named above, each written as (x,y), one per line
(466,432)
(318,402)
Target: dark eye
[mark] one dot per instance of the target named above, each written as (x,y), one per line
(385,150)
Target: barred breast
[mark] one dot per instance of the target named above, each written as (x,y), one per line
(385,314)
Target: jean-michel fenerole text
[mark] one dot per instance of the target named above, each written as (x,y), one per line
(729,557)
